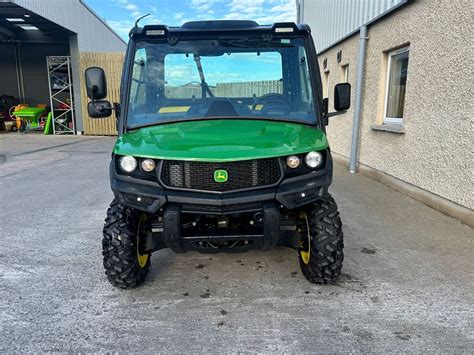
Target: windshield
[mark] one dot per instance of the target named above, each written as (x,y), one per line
(226,78)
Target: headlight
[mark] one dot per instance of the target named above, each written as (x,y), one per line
(313,159)
(293,161)
(148,165)
(128,163)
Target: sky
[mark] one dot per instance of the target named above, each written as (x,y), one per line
(121,14)
(236,67)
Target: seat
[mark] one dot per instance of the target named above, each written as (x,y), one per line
(221,108)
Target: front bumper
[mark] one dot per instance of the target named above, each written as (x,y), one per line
(151,197)
(172,234)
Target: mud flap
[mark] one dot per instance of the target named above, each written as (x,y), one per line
(172,229)
(271,226)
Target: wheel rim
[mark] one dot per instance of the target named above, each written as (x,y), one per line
(306,254)
(142,259)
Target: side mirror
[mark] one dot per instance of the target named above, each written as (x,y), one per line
(99,109)
(96,84)
(342,96)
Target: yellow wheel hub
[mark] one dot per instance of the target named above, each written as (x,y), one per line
(142,259)
(306,254)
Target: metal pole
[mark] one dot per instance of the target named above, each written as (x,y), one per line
(358,99)
(71,97)
(53,121)
(19,73)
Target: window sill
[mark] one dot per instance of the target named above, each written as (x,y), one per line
(392,128)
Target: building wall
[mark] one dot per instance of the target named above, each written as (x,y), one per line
(93,34)
(335,19)
(8,83)
(87,33)
(33,65)
(35,72)
(436,153)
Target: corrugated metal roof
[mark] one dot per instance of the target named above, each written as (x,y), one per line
(93,34)
(333,20)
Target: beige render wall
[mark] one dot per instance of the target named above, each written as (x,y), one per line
(436,153)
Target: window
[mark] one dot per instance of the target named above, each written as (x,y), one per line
(345,73)
(397,71)
(306,92)
(250,77)
(138,85)
(226,75)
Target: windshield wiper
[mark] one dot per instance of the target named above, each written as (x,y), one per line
(204,86)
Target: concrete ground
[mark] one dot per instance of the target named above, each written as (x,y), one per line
(407,286)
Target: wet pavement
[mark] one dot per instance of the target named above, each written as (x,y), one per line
(407,283)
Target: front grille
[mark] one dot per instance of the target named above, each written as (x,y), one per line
(208,209)
(200,175)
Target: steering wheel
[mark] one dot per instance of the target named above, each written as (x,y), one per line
(272,99)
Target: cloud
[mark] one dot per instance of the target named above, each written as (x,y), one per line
(122,27)
(127,5)
(150,20)
(204,5)
(213,78)
(262,11)
(131,8)
(244,5)
(179,15)
(284,7)
(180,74)
(233,16)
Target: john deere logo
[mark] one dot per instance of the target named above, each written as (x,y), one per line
(221,176)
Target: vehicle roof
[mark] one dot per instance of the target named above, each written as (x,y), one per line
(220,26)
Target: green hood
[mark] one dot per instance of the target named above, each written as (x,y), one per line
(221,140)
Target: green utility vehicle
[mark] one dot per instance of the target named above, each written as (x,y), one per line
(221,147)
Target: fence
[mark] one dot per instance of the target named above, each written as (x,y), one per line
(177,92)
(249,88)
(240,89)
(112,65)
